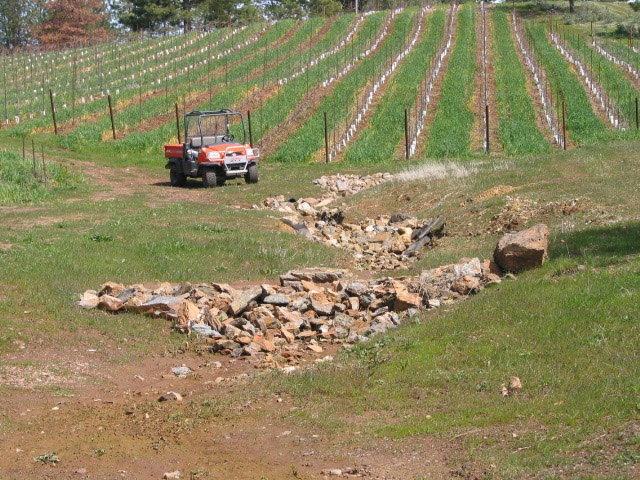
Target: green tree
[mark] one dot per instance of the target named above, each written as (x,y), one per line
(219,11)
(17,18)
(140,15)
(230,11)
(153,15)
(249,13)
(279,9)
(325,7)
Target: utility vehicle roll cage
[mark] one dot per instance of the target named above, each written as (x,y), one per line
(202,128)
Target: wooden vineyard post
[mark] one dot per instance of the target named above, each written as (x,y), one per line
(486,126)
(637,118)
(326,139)
(406,134)
(73,89)
(113,126)
(53,112)
(44,167)
(250,129)
(4,84)
(178,123)
(33,152)
(564,125)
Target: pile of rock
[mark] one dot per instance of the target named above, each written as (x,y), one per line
(388,242)
(343,185)
(339,185)
(274,325)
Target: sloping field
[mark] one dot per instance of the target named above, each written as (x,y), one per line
(97,395)
(356,71)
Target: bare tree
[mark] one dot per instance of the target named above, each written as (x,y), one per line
(73,21)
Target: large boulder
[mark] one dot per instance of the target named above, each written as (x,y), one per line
(523,250)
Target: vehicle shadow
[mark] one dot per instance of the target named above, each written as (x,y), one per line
(196,184)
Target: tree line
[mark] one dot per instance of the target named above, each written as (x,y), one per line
(61,23)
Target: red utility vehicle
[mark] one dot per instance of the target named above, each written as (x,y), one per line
(211,151)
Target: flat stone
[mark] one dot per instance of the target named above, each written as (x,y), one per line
(316,275)
(161,303)
(241,302)
(343,320)
(322,308)
(109,303)
(404,299)
(467,285)
(286,316)
(276,299)
(89,300)
(472,268)
(288,336)
(268,290)
(110,288)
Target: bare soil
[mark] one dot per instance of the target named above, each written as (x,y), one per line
(102,417)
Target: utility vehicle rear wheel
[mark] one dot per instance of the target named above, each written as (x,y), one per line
(252,174)
(177,179)
(209,178)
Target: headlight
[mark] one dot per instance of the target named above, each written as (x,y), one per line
(213,156)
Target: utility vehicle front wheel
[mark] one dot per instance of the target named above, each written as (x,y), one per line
(252,174)
(209,178)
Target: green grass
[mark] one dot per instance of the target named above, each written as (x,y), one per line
(25,181)
(572,339)
(517,128)
(583,125)
(568,330)
(450,132)
(388,119)
(620,91)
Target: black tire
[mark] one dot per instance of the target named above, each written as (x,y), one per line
(209,178)
(177,179)
(252,174)
(221,180)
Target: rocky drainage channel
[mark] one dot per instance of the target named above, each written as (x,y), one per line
(310,309)
(388,242)
(275,325)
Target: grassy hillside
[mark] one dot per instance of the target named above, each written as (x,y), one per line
(568,330)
